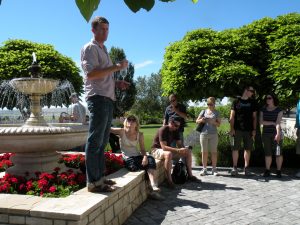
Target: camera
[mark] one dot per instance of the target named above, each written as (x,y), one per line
(189,147)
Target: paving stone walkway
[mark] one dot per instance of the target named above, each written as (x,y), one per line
(226,200)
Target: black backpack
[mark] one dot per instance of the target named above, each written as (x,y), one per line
(179,173)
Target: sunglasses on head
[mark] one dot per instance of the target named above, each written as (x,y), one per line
(131,119)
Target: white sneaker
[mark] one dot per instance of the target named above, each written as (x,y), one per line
(203,172)
(298,174)
(215,172)
(155,188)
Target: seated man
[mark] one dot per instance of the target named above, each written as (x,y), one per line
(161,148)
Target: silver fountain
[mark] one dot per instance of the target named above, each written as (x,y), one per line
(36,143)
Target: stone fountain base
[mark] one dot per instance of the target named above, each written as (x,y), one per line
(36,147)
(30,163)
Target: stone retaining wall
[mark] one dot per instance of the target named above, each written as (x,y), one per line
(82,207)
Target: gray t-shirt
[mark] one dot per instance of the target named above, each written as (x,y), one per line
(208,127)
(94,56)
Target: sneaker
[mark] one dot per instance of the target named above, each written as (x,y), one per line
(278,173)
(266,173)
(298,174)
(203,172)
(246,171)
(215,172)
(234,172)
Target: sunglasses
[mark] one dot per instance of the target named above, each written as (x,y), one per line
(251,90)
(173,100)
(210,104)
(268,98)
(131,119)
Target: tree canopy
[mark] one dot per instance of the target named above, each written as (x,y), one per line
(87,7)
(124,99)
(265,54)
(16,57)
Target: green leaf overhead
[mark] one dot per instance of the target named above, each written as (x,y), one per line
(87,7)
(135,6)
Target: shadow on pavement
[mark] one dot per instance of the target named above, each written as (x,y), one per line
(154,211)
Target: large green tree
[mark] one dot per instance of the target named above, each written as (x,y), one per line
(264,53)
(124,99)
(150,104)
(16,57)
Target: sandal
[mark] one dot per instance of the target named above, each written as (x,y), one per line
(102,188)
(109,182)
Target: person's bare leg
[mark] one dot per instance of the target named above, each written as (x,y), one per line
(214,158)
(268,162)
(204,159)
(235,157)
(168,166)
(247,154)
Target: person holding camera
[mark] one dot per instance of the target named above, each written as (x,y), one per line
(162,149)
(210,117)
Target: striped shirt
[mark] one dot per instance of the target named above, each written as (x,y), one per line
(270,116)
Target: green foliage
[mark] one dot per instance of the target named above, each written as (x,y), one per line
(16,57)
(264,54)
(124,99)
(87,7)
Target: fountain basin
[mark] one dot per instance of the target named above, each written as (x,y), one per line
(36,147)
(33,86)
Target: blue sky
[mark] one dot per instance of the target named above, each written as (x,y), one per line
(143,35)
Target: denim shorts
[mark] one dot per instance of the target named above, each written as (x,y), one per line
(134,163)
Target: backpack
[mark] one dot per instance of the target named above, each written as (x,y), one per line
(179,173)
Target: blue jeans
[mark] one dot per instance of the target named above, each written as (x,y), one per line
(101,113)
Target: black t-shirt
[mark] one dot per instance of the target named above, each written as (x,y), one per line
(243,119)
(169,113)
(165,134)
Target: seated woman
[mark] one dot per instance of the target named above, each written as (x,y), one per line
(130,140)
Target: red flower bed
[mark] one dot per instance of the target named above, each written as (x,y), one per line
(5,161)
(113,162)
(55,184)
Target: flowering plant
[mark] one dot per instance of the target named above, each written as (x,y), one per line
(5,161)
(44,184)
(113,162)
(54,184)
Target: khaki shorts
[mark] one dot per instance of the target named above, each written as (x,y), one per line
(209,142)
(158,153)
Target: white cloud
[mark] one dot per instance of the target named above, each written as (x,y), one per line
(143,64)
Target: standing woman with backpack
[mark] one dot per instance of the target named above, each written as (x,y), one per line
(210,120)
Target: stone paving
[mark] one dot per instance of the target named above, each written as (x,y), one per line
(226,200)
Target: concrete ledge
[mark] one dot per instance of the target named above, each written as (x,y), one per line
(82,207)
